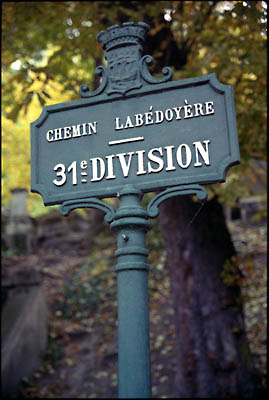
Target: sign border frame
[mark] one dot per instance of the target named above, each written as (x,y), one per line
(232,159)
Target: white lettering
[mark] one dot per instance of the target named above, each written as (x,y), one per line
(203,152)
(117,124)
(187,156)
(177,110)
(84,132)
(125,166)
(159,117)
(95,169)
(50,139)
(169,157)
(73,167)
(58,134)
(76,130)
(209,107)
(140,160)
(128,123)
(148,162)
(139,120)
(110,171)
(148,116)
(92,127)
(169,114)
(187,109)
(83,164)
(198,109)
(60,173)
(67,133)
(155,159)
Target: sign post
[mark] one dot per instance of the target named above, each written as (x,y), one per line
(134,134)
(131,223)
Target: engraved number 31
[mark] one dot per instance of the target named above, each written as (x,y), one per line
(60,168)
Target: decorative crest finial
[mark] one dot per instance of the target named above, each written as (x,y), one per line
(128,33)
(127,69)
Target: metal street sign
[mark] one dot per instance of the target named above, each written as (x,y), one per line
(135,129)
(134,134)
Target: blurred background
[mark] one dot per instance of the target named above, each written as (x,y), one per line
(63,265)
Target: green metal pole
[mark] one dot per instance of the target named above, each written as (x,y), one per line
(131,224)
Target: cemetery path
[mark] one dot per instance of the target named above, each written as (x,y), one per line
(81,359)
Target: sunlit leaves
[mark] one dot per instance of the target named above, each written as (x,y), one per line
(233,45)
(15,154)
(45,60)
(16,136)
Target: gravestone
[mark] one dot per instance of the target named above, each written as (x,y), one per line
(24,328)
(18,228)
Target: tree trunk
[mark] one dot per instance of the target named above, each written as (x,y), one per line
(212,351)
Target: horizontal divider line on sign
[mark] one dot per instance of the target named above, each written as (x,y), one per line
(136,139)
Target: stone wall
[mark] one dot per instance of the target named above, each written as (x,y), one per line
(23,328)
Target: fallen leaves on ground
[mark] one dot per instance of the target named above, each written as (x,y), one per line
(81,358)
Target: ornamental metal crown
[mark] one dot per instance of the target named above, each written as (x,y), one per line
(128,33)
(126,69)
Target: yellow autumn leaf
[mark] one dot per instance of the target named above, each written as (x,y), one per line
(36,86)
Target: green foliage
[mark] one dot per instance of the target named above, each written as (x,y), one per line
(259,216)
(244,350)
(54,350)
(87,287)
(230,273)
(45,60)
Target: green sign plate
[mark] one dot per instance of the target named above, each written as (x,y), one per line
(154,137)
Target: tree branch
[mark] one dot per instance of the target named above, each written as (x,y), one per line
(190,44)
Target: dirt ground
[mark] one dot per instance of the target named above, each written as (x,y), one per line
(81,359)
